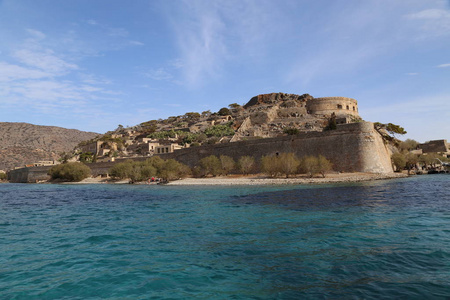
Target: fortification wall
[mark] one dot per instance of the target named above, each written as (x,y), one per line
(337,105)
(29,175)
(355,147)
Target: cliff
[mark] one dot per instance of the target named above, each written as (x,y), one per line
(22,143)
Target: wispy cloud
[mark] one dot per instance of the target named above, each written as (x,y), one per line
(443,66)
(159,74)
(35,78)
(209,35)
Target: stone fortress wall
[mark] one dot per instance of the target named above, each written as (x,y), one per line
(328,105)
(355,147)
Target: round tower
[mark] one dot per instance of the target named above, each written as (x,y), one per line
(341,106)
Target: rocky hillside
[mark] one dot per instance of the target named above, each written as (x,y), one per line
(22,143)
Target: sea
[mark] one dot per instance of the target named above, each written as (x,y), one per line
(387,239)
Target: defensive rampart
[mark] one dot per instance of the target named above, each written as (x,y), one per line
(355,147)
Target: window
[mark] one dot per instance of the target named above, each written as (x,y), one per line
(339,106)
(348,108)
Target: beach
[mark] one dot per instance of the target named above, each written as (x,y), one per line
(263,180)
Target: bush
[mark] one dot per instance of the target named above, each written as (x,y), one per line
(227,164)
(245,164)
(288,163)
(70,172)
(2,176)
(154,166)
(270,165)
(224,111)
(312,165)
(210,165)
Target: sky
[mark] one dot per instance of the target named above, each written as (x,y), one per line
(92,65)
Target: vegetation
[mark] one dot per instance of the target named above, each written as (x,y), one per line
(227,163)
(331,123)
(210,165)
(3,176)
(388,131)
(219,130)
(224,112)
(288,164)
(408,145)
(246,164)
(70,172)
(312,165)
(153,167)
(291,131)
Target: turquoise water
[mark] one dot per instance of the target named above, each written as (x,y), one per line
(375,240)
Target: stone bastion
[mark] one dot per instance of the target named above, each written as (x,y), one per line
(341,106)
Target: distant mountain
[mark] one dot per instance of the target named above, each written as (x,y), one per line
(22,143)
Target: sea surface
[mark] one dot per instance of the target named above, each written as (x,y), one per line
(372,240)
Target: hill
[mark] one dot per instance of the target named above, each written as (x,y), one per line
(264,116)
(22,143)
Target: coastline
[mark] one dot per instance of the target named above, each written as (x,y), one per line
(261,180)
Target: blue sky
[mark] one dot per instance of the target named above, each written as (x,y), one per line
(92,65)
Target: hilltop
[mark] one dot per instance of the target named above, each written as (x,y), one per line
(23,143)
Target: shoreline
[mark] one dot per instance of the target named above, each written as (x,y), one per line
(260,180)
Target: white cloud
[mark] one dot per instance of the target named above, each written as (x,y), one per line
(36,34)
(443,66)
(45,60)
(136,43)
(159,74)
(10,72)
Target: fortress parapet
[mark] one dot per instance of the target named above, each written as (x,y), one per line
(341,106)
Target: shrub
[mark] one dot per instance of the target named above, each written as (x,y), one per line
(291,131)
(227,164)
(224,111)
(245,164)
(288,163)
(398,160)
(312,165)
(210,165)
(308,165)
(2,176)
(270,165)
(323,165)
(70,172)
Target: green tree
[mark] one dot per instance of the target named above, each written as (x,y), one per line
(246,164)
(211,165)
(70,172)
(224,112)
(227,164)
(3,176)
(399,161)
(411,161)
(86,157)
(408,145)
